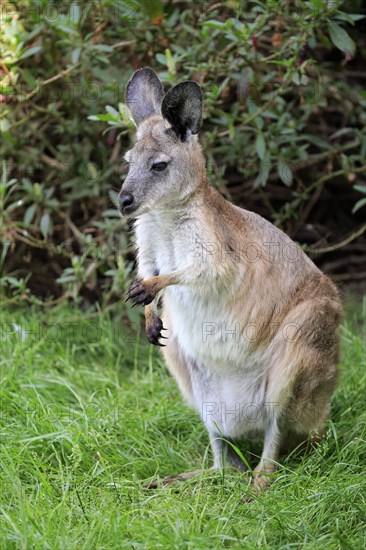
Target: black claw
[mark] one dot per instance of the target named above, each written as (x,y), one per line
(135,283)
(134,292)
(156,342)
(154,332)
(140,296)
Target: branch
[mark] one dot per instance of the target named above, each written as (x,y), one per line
(314,159)
(67,71)
(346,241)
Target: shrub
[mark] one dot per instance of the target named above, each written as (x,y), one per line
(284,126)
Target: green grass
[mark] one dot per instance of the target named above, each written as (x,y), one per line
(88,415)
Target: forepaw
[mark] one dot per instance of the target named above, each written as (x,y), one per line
(142,292)
(154,326)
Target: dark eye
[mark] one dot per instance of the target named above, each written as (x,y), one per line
(159,166)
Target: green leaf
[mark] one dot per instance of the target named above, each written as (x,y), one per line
(111,213)
(46,225)
(112,111)
(4,125)
(315,140)
(29,213)
(67,29)
(214,25)
(285,172)
(113,195)
(260,146)
(341,39)
(161,58)
(74,12)
(29,78)
(102,48)
(126,115)
(350,18)
(360,188)
(359,204)
(75,55)
(170,61)
(102,117)
(31,51)
(264,170)
(91,171)
(296,78)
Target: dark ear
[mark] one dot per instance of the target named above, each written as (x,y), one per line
(144,93)
(182,107)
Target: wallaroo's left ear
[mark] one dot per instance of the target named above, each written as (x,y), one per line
(182,107)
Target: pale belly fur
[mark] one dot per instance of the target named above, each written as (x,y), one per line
(228,379)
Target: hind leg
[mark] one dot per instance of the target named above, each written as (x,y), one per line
(301,407)
(270,455)
(279,439)
(307,423)
(299,424)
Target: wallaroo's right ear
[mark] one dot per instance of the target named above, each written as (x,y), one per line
(182,107)
(144,94)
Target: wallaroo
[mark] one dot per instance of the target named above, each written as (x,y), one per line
(176,212)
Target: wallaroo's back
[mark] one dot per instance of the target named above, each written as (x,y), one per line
(247,323)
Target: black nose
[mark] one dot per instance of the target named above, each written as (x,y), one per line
(125,200)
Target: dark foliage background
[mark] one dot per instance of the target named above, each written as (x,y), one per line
(284,128)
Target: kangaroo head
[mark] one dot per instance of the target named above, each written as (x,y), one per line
(166,164)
